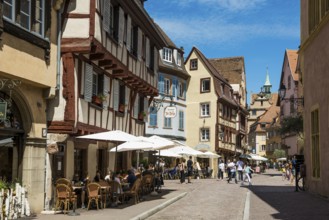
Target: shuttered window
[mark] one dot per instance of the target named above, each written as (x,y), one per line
(153,117)
(88,82)
(315,138)
(181,120)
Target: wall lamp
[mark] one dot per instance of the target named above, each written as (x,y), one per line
(282,94)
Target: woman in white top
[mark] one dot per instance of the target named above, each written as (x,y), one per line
(221,169)
(247,171)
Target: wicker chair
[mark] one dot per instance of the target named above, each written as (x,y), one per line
(94,194)
(134,191)
(64,196)
(147,183)
(116,192)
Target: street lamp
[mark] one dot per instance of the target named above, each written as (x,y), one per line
(282,94)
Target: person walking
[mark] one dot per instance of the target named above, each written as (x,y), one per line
(232,167)
(240,166)
(247,171)
(221,169)
(182,171)
(189,169)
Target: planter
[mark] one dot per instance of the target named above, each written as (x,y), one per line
(121,108)
(97,100)
(141,116)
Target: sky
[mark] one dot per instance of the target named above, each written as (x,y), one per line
(258,30)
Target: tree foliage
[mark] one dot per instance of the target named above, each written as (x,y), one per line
(278,153)
(291,125)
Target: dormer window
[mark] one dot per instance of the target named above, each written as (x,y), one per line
(194,64)
(167,54)
(179,59)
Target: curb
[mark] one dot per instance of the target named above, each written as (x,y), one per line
(158,208)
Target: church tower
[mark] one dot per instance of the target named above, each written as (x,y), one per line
(267,86)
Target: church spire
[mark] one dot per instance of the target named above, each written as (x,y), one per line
(267,85)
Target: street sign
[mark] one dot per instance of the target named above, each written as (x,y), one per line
(170,112)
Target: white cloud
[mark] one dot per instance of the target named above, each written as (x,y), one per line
(230,5)
(220,32)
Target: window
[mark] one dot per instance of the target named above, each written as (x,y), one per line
(181,90)
(28,14)
(205,110)
(205,85)
(292,105)
(167,86)
(167,54)
(193,64)
(95,84)
(315,138)
(122,97)
(254,112)
(205,134)
(153,117)
(134,40)
(181,120)
(263,147)
(317,9)
(167,122)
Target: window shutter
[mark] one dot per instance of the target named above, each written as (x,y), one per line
(146,106)
(88,82)
(121,25)
(136,106)
(175,55)
(106,16)
(115,95)
(174,86)
(127,98)
(153,117)
(156,54)
(128,33)
(184,91)
(140,44)
(106,89)
(161,84)
(148,59)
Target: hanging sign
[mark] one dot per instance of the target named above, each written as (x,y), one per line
(3,111)
(170,112)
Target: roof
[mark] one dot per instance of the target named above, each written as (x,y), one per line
(231,68)
(273,98)
(172,68)
(292,59)
(267,118)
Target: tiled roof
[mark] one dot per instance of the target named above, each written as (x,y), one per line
(231,68)
(267,118)
(292,59)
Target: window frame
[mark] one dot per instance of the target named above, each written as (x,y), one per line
(167,54)
(167,123)
(202,89)
(193,64)
(202,139)
(167,86)
(181,121)
(203,108)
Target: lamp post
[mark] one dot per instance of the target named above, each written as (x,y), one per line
(282,94)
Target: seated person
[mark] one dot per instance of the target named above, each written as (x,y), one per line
(131,178)
(98,177)
(147,171)
(173,172)
(108,176)
(76,181)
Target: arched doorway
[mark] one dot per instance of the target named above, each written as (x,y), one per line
(11,139)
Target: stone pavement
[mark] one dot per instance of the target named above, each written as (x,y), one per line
(268,198)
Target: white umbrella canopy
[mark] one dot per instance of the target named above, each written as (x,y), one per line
(184,150)
(208,154)
(144,143)
(167,153)
(165,142)
(257,157)
(281,159)
(115,136)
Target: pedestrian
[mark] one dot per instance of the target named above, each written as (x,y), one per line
(182,171)
(189,169)
(240,166)
(221,169)
(228,170)
(232,167)
(247,172)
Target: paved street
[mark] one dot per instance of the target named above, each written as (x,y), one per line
(268,198)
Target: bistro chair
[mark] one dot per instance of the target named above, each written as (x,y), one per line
(116,192)
(147,183)
(64,197)
(93,194)
(134,191)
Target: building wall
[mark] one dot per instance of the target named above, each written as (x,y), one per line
(193,99)
(314,70)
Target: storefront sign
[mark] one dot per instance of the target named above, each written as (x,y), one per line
(170,112)
(3,111)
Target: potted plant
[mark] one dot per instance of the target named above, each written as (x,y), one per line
(141,115)
(99,99)
(121,107)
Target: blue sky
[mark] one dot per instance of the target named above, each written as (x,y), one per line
(258,30)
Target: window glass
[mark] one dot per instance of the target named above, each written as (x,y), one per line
(205,85)
(205,134)
(193,64)
(205,110)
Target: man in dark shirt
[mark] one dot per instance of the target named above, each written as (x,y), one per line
(189,169)
(131,178)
